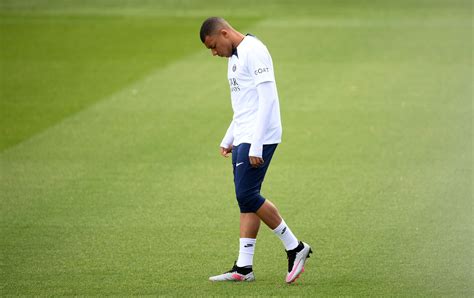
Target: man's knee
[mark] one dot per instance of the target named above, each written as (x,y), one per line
(249,202)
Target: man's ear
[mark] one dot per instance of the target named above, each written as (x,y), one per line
(224,33)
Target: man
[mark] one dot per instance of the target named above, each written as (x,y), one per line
(252,137)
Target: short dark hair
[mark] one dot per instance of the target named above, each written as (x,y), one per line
(210,26)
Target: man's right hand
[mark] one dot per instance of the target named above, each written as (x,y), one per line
(225,151)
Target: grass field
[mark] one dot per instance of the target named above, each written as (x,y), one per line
(111,114)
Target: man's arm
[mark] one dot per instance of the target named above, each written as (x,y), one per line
(267,96)
(226,144)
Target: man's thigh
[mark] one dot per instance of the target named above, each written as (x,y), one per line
(247,179)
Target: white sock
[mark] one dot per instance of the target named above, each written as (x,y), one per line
(246,251)
(286,236)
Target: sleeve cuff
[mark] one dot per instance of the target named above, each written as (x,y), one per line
(256,150)
(225,144)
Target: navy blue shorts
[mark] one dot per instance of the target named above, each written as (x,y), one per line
(248,180)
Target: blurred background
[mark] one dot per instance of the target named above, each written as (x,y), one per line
(111,114)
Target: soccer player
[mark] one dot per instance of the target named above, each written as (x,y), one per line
(252,137)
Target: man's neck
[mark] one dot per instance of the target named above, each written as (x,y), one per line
(237,39)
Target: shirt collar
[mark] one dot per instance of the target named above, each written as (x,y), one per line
(234,50)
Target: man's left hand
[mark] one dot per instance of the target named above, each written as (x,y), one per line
(255,161)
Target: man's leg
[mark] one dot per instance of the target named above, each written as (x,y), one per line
(254,207)
(269,214)
(248,182)
(242,270)
(249,226)
(249,223)
(297,251)
(271,217)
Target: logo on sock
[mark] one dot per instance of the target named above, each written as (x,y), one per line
(248,245)
(283,231)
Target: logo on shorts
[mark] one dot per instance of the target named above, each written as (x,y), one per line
(234,68)
(239,164)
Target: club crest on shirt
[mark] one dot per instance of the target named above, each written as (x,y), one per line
(234,68)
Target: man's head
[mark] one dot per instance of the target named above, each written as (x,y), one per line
(218,36)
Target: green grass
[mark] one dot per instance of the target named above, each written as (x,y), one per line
(111,114)
(62,58)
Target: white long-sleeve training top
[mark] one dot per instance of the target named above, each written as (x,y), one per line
(254,97)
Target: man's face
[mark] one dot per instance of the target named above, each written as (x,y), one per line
(219,43)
